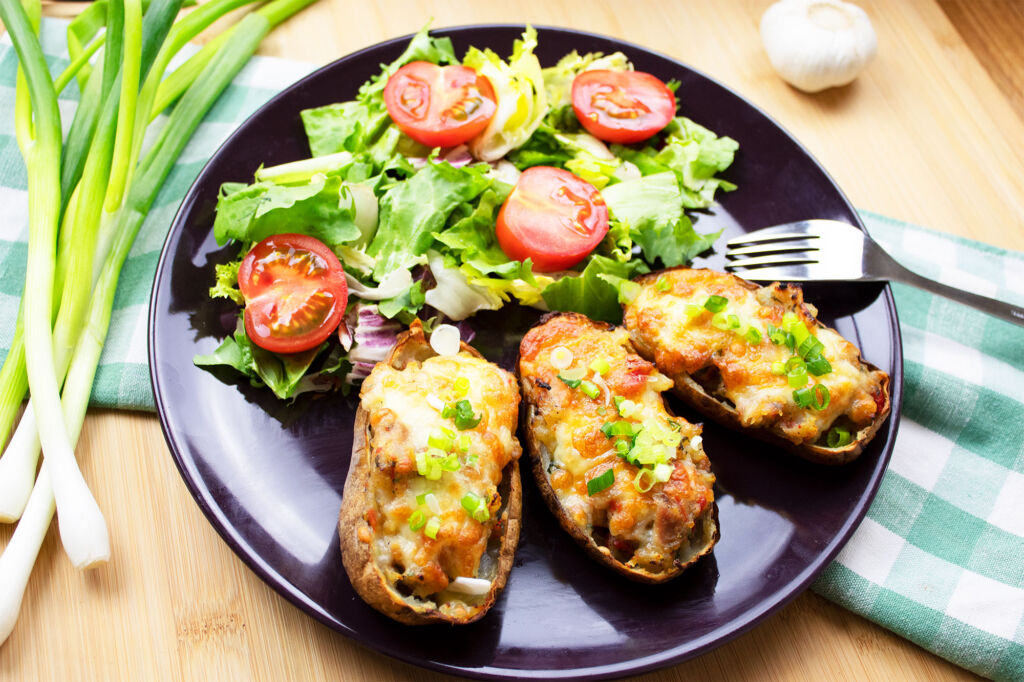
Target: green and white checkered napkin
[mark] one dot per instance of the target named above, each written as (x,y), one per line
(939,558)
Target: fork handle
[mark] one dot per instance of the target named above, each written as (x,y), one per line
(1001,309)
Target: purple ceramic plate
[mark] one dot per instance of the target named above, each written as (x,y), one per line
(269,476)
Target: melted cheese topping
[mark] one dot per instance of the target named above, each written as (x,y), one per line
(401,423)
(685,347)
(642,529)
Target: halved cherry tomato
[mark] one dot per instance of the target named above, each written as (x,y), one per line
(439,106)
(295,292)
(622,106)
(553,217)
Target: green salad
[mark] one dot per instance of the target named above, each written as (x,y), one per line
(393,217)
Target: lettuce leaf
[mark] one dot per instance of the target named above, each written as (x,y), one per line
(226,284)
(558,78)
(591,294)
(322,207)
(694,154)
(454,295)
(279,372)
(652,206)
(522,101)
(413,210)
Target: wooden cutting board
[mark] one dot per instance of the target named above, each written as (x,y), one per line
(930,133)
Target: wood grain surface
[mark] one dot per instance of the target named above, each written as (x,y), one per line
(930,133)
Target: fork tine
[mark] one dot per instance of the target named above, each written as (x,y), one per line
(798,258)
(770,234)
(794,273)
(764,249)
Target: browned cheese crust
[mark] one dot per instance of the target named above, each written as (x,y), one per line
(646,535)
(730,379)
(405,574)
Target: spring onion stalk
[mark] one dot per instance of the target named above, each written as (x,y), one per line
(42,160)
(177,82)
(75,260)
(19,556)
(182,32)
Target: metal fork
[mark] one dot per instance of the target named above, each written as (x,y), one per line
(829,250)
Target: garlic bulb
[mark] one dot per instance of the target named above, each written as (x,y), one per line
(817,44)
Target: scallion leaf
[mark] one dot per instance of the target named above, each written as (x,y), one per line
(461,387)
(417,520)
(752,336)
(600,366)
(662,284)
(838,437)
(602,482)
(819,366)
(720,321)
(589,389)
(644,480)
(433,525)
(716,304)
(571,383)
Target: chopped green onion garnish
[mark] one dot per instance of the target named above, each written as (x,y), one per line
(473,459)
(797,376)
(720,321)
(421,499)
(461,386)
(716,304)
(752,336)
(621,447)
(819,366)
(571,383)
(462,412)
(820,397)
(602,482)
(434,471)
(417,519)
(433,525)
(590,389)
(734,322)
(464,442)
(470,502)
(810,347)
(788,320)
(644,480)
(619,428)
(816,396)
(662,284)
(790,342)
(800,333)
(421,464)
(441,440)
(776,335)
(451,463)
(778,368)
(838,437)
(481,514)
(627,408)
(662,472)
(693,311)
(601,366)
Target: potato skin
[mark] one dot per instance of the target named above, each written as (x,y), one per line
(356,533)
(705,531)
(693,394)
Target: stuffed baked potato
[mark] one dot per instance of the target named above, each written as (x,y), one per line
(430,514)
(757,359)
(626,478)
